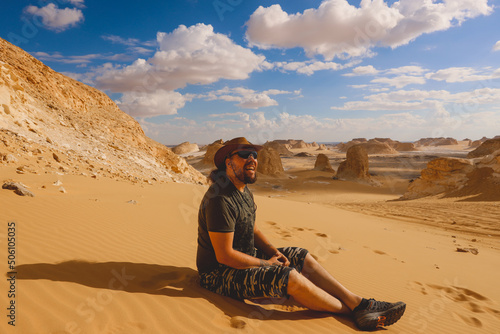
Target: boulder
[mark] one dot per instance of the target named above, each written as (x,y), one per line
(270,162)
(185,147)
(322,147)
(323,164)
(355,167)
(18,188)
(488,147)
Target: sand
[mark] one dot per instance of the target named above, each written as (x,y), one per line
(112,256)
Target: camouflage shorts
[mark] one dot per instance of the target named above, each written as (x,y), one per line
(270,281)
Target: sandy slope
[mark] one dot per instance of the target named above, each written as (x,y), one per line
(90,262)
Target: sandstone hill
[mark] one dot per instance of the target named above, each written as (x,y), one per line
(52,123)
(487,147)
(185,147)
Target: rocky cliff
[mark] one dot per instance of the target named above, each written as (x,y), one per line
(50,122)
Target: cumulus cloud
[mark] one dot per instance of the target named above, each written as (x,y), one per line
(466,102)
(246,98)
(463,74)
(188,55)
(149,104)
(338,29)
(400,81)
(56,19)
(362,70)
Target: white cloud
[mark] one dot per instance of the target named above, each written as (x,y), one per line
(311,66)
(362,70)
(463,74)
(246,98)
(496,47)
(56,19)
(413,70)
(400,81)
(436,100)
(194,55)
(149,104)
(339,29)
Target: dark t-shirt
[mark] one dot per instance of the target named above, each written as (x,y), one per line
(225,209)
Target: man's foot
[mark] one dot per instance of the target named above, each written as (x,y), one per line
(377,314)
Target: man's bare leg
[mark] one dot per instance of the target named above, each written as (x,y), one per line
(323,279)
(313,297)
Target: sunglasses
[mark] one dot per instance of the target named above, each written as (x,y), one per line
(245,154)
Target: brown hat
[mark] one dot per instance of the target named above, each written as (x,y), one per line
(230,146)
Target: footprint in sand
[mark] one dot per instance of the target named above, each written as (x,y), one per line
(417,286)
(237,322)
(471,321)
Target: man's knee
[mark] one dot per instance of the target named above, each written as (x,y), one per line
(296,282)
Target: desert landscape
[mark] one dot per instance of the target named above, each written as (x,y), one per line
(104,221)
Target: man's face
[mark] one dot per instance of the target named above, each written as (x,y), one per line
(245,169)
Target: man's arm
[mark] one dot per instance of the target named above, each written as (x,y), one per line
(222,243)
(262,243)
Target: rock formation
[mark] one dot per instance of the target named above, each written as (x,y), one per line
(488,147)
(441,141)
(208,159)
(355,167)
(323,164)
(478,179)
(185,147)
(322,147)
(279,147)
(270,162)
(43,113)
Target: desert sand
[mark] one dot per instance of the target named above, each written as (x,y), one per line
(116,256)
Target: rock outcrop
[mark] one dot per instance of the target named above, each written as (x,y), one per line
(279,147)
(208,159)
(441,141)
(487,147)
(323,164)
(185,147)
(322,147)
(478,179)
(355,167)
(44,111)
(377,146)
(270,162)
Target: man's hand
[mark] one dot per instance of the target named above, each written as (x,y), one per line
(279,259)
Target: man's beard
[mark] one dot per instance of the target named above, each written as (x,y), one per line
(240,175)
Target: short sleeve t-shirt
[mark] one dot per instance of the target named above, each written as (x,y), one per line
(225,209)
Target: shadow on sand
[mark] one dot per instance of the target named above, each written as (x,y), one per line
(162,280)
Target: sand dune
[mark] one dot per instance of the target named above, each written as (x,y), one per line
(113,256)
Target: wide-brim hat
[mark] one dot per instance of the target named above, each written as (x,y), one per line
(230,146)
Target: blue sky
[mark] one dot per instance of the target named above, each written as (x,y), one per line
(325,71)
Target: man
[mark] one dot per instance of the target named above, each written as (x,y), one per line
(235,258)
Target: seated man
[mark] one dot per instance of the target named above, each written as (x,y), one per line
(235,258)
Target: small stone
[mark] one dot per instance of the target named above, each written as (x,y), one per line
(18,188)
(132,202)
(57,183)
(62,190)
